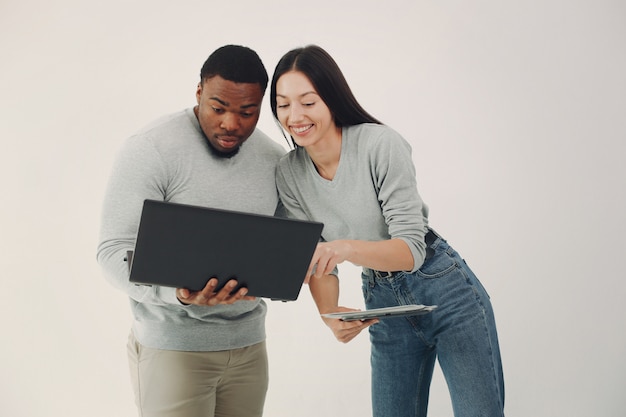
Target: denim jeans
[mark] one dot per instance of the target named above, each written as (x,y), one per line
(460,333)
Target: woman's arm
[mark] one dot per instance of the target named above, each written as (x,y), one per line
(325,292)
(384,255)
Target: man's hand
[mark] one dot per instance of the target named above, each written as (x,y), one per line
(208,297)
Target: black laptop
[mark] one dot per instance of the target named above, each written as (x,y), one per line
(183,246)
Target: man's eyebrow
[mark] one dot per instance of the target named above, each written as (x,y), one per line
(226,104)
(219,100)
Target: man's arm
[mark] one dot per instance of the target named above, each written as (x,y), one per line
(138,173)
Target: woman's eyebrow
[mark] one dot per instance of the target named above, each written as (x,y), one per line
(301,95)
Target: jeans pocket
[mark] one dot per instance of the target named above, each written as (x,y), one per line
(437,266)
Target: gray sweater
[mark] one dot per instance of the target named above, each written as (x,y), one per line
(170,160)
(372,197)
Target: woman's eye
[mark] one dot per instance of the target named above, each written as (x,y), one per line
(308,104)
(282,106)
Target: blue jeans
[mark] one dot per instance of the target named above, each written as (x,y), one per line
(460,333)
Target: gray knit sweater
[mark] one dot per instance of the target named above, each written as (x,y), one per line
(373,195)
(170,160)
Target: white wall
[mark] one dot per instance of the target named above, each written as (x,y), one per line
(516,113)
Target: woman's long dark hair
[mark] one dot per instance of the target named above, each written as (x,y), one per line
(330,84)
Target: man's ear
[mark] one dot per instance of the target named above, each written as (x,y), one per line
(199,92)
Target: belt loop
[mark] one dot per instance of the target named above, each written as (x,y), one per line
(369,273)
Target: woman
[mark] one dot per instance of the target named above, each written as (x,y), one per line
(356,176)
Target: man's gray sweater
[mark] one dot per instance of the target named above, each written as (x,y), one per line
(170,160)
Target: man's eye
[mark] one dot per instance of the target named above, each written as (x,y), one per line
(247,114)
(218,110)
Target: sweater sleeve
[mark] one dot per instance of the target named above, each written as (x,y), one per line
(138,174)
(289,205)
(402,207)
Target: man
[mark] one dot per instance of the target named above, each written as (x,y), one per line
(202,353)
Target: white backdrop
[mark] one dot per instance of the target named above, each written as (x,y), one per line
(517,116)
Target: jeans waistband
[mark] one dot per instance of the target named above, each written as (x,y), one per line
(429,239)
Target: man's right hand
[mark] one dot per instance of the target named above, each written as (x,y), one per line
(208,297)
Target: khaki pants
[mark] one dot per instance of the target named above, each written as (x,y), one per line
(230,383)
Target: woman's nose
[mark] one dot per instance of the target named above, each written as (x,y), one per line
(295,113)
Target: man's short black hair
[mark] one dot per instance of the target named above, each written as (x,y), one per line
(235,63)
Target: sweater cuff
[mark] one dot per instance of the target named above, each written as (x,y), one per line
(168,296)
(419,254)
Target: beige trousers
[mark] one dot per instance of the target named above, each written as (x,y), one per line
(167,383)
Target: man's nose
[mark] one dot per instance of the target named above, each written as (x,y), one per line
(229,122)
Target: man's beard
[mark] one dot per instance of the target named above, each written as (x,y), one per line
(221,154)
